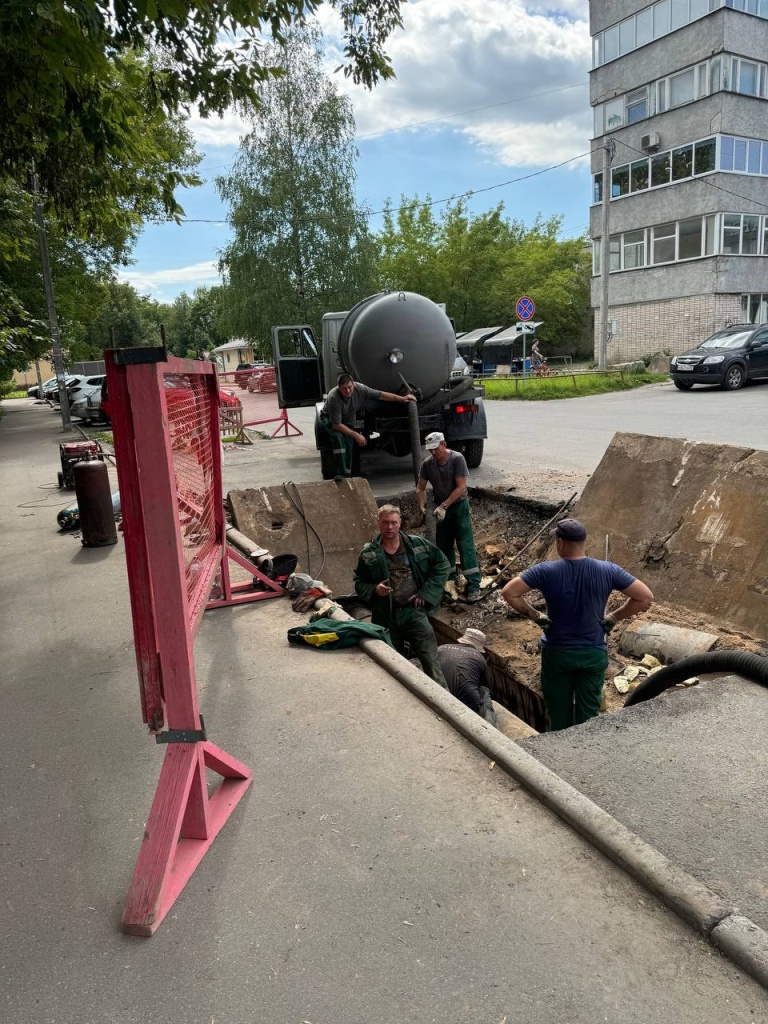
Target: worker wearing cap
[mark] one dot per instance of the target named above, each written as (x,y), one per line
(339,414)
(576,589)
(447,471)
(464,668)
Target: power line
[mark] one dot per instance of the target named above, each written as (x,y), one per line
(437,202)
(490,188)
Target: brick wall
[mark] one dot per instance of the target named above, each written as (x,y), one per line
(670,326)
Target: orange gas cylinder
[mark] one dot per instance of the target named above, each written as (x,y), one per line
(94,501)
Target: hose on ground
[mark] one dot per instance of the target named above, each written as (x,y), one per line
(741,663)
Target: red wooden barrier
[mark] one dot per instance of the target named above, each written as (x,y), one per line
(165,417)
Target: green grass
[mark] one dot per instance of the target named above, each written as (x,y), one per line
(15,394)
(567,385)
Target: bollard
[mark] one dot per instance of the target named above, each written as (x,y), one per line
(94,502)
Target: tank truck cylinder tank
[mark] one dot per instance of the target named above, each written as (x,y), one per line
(396,333)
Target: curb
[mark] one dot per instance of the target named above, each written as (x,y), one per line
(740,939)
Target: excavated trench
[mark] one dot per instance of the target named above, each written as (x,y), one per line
(509,538)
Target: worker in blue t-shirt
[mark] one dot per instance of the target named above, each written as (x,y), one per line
(576,589)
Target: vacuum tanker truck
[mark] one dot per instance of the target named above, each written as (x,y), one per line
(391,341)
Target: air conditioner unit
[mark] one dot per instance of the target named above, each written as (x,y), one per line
(651,141)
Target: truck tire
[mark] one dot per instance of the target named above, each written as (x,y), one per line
(327,464)
(473,453)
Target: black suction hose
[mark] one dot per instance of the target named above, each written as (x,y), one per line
(750,666)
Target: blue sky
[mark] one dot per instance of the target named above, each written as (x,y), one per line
(502,87)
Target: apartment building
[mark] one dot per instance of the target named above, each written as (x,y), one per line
(681,88)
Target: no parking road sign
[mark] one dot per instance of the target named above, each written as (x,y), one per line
(525,308)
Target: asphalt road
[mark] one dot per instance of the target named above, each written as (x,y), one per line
(545,449)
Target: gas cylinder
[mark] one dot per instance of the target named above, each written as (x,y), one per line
(94,502)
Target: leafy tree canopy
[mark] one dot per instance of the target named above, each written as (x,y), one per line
(300,243)
(61,62)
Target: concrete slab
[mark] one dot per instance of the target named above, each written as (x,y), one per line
(689,519)
(379,870)
(282,518)
(687,773)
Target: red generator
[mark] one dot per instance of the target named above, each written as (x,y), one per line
(73,452)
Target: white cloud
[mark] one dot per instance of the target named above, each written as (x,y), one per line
(211,132)
(524,64)
(153,281)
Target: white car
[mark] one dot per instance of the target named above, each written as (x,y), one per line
(81,395)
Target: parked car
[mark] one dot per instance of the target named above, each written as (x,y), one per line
(51,389)
(34,391)
(728,359)
(79,393)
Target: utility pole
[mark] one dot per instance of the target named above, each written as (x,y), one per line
(53,320)
(609,149)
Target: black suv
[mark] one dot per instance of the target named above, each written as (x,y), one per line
(729,358)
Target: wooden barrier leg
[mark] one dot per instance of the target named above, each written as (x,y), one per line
(182,825)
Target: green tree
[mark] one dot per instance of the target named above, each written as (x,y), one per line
(59,61)
(193,324)
(301,245)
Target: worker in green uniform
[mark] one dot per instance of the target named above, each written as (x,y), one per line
(447,471)
(339,414)
(401,576)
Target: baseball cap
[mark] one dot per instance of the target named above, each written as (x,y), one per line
(433,440)
(570,529)
(473,638)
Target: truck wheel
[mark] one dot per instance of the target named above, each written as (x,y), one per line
(473,453)
(327,464)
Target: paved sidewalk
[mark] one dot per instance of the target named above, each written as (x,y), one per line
(379,870)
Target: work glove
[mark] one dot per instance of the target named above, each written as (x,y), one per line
(439,513)
(543,621)
(608,623)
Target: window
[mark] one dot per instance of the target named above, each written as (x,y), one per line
(644,26)
(764,162)
(596,249)
(627,36)
(597,191)
(739,154)
(689,239)
(637,105)
(726,153)
(614,113)
(661,96)
(682,163)
(709,235)
(663,243)
(660,19)
(731,233)
(748,78)
(611,43)
(701,81)
(638,175)
(614,254)
(704,156)
(765,237)
(681,88)
(714,75)
(749,235)
(753,157)
(699,8)
(620,181)
(633,249)
(661,169)
(754,308)
(679,13)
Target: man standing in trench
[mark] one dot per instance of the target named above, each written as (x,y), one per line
(576,589)
(401,576)
(339,414)
(447,471)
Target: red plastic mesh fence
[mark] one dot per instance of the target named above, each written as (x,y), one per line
(188,401)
